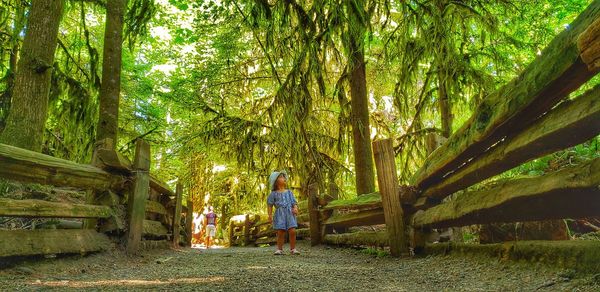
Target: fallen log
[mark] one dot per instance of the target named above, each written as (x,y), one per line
(45,209)
(554,74)
(569,193)
(29,166)
(51,241)
(569,124)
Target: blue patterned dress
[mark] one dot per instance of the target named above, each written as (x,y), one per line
(283,219)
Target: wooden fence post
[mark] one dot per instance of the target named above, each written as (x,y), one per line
(91,195)
(189,218)
(390,198)
(177,215)
(139,194)
(313,213)
(247,230)
(230,230)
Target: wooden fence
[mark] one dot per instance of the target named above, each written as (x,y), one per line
(252,229)
(527,118)
(124,202)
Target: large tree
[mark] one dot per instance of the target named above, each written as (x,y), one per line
(25,123)
(110,89)
(361,132)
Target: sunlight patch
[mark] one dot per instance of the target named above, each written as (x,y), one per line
(132,282)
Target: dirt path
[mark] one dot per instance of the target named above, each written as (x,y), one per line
(317,269)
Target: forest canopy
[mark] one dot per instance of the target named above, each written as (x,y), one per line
(228,91)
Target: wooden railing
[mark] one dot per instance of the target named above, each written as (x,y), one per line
(526,119)
(123,201)
(254,229)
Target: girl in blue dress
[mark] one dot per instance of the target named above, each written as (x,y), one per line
(286,209)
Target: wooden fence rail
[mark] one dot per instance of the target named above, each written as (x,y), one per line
(519,122)
(111,181)
(558,71)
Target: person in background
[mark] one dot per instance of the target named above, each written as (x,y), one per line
(198,228)
(210,226)
(286,210)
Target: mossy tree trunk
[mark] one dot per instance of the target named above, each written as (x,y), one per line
(110,89)
(25,123)
(6,96)
(361,133)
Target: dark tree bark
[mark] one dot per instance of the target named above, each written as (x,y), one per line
(361,132)
(108,123)
(27,118)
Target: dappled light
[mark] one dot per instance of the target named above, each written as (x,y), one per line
(334,145)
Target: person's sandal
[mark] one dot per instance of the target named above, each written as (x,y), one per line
(278,252)
(294,252)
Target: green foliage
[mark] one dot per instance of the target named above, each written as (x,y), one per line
(228,91)
(375,252)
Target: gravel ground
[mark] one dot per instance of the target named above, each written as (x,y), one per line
(317,269)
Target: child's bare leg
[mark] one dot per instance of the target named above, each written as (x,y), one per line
(280,239)
(292,233)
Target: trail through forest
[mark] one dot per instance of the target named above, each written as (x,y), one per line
(317,269)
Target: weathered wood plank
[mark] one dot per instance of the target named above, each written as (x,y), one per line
(160,186)
(368,217)
(107,158)
(51,241)
(177,215)
(266,233)
(313,213)
(569,124)
(303,217)
(246,230)
(137,199)
(367,201)
(547,80)
(154,229)
(113,160)
(266,240)
(387,179)
(39,208)
(189,218)
(588,44)
(370,238)
(579,255)
(155,207)
(569,193)
(28,166)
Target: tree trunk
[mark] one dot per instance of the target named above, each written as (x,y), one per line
(25,124)
(108,123)
(444,103)
(5,98)
(361,132)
